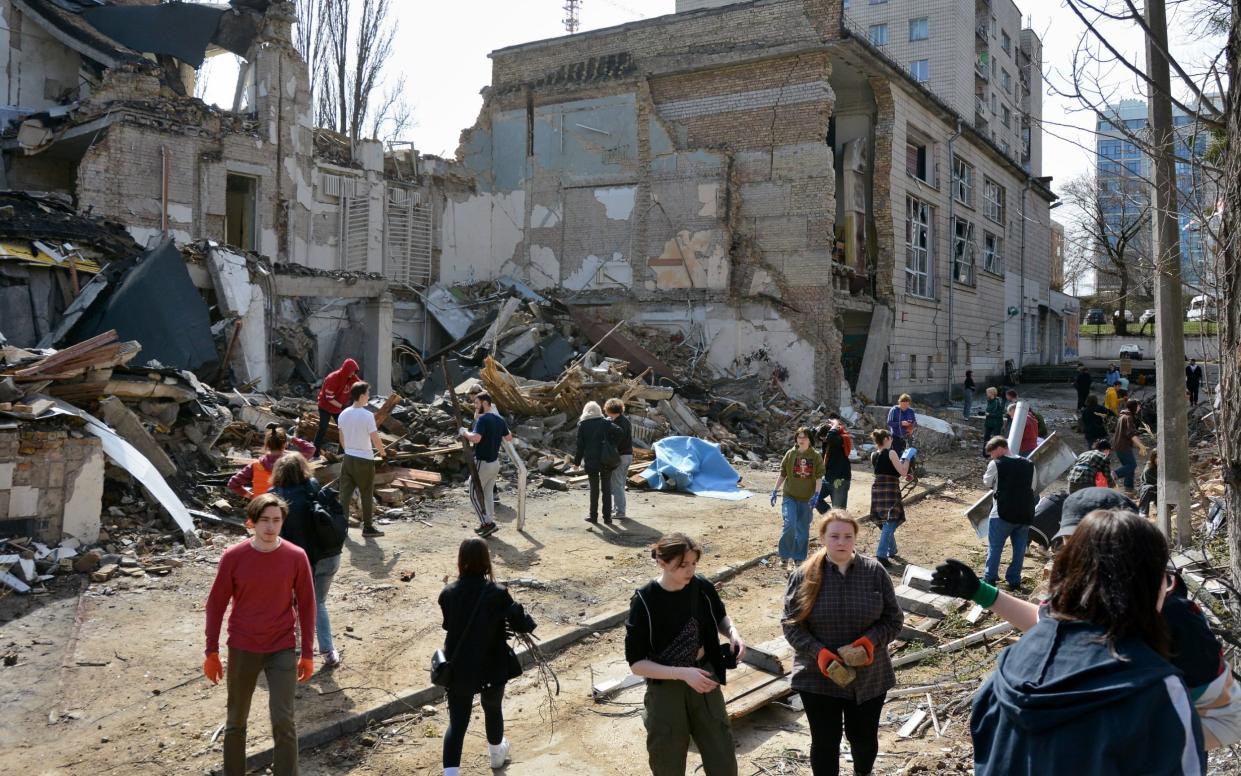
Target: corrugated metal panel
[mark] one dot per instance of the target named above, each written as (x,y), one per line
(407,243)
(354,228)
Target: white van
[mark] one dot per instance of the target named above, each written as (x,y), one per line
(1201,308)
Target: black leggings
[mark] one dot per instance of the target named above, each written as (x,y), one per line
(600,480)
(861,726)
(460,704)
(325,418)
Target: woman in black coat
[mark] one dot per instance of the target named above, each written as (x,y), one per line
(593,429)
(478,614)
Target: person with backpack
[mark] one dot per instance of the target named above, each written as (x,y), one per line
(598,441)
(837,469)
(316,530)
(615,409)
(800,472)
(334,398)
(254,479)
(478,613)
(671,641)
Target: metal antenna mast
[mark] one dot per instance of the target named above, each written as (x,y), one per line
(571,21)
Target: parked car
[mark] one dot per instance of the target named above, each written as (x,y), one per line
(1128,315)
(1096,316)
(1131,351)
(1201,308)
(1148,316)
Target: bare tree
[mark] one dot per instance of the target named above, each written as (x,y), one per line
(1228,272)
(1108,230)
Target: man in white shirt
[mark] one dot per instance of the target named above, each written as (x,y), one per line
(359,438)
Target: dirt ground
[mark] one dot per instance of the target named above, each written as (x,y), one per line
(106,678)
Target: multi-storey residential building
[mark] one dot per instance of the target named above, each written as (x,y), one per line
(772,179)
(1122,173)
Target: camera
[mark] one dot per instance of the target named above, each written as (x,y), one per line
(729,656)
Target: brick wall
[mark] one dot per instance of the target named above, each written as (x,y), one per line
(40,472)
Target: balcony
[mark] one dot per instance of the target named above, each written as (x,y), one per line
(980,69)
(981,31)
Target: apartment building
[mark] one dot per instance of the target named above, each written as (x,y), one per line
(1122,173)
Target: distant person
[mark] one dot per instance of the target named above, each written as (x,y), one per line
(334,397)
(1089,687)
(1012,397)
(800,472)
(886,506)
(1094,419)
(1148,494)
(837,468)
(312,528)
(1124,441)
(1013,482)
(489,433)
(478,615)
(1193,380)
(968,390)
(1112,376)
(596,435)
(254,479)
(1082,383)
(269,585)
(360,440)
(840,608)
(1093,468)
(994,423)
(902,420)
(615,410)
(672,641)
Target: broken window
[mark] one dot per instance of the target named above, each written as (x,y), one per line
(919,29)
(920,70)
(993,200)
(963,245)
(240,211)
(878,34)
(962,181)
(918,156)
(913,367)
(993,253)
(918,251)
(1006,116)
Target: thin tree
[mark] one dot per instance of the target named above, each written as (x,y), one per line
(1228,272)
(1108,229)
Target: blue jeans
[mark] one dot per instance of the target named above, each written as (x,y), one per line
(324,570)
(998,530)
(839,490)
(795,537)
(969,403)
(1128,466)
(887,541)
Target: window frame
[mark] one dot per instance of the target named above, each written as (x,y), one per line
(963,184)
(994,207)
(919,248)
(992,253)
(925,28)
(926,66)
(963,252)
(872,29)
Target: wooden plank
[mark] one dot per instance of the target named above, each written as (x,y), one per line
(775,690)
(389,403)
(606,689)
(69,353)
(774,657)
(953,646)
(911,725)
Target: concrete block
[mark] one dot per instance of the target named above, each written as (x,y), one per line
(6,475)
(127,425)
(23,501)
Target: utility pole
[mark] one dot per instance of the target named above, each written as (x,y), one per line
(1171,405)
(571,21)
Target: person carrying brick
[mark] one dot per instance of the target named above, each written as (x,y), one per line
(334,397)
(268,582)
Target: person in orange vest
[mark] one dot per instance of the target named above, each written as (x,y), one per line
(255,478)
(334,397)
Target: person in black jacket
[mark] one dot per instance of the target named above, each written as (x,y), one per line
(615,409)
(478,614)
(1082,383)
(838,471)
(592,431)
(1014,481)
(671,641)
(291,481)
(1094,420)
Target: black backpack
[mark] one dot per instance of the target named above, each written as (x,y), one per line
(328,515)
(609,457)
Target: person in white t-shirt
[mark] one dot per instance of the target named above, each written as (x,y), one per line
(359,438)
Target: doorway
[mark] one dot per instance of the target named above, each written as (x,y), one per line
(240,211)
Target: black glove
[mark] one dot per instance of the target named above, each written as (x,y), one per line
(954,578)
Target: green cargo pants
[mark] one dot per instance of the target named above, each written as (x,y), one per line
(674,714)
(358,474)
(243,672)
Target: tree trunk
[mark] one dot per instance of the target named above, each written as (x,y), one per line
(1228,268)
(1118,318)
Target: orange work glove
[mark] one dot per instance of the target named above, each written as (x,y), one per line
(212,668)
(305,668)
(869,647)
(826,656)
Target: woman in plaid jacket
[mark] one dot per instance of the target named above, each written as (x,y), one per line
(840,613)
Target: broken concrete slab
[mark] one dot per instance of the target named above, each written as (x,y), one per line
(927,604)
(130,428)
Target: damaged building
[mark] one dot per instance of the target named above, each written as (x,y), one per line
(775,186)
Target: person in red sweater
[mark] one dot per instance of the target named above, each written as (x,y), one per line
(334,397)
(1029,434)
(270,585)
(255,478)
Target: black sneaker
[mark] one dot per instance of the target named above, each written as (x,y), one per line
(488,529)
(592,520)
(887,564)
(372,531)
(607,521)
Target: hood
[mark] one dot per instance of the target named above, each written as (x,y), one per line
(1062,670)
(349,367)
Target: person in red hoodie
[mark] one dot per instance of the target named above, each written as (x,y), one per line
(255,478)
(270,585)
(334,397)
(1029,434)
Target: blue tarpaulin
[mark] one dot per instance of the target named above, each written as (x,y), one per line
(693,465)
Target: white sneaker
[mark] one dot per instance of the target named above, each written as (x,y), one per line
(499,753)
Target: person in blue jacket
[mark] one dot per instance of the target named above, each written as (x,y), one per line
(1088,688)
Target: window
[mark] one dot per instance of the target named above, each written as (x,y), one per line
(919,159)
(1006,43)
(963,246)
(913,367)
(1030,333)
(919,29)
(878,2)
(1004,147)
(918,250)
(240,212)
(962,181)
(1006,80)
(1006,116)
(993,200)
(993,253)
(878,34)
(920,70)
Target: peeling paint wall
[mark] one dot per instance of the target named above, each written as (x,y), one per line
(39,71)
